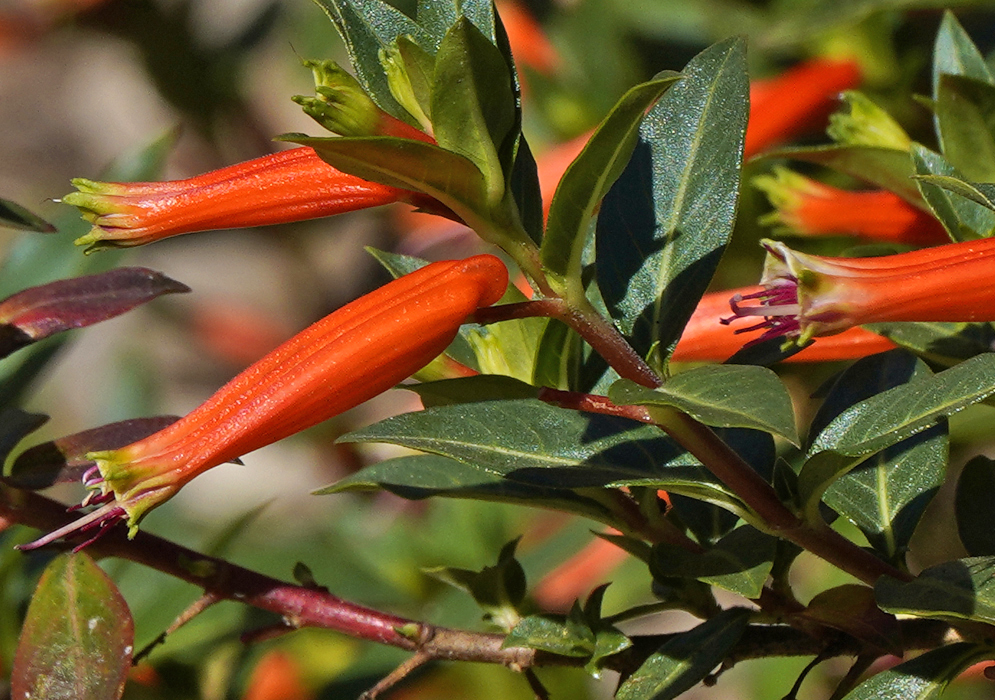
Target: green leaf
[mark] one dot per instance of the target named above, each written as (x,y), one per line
(589,177)
(924,677)
(425,476)
(888,168)
(665,222)
(886,494)
(955,54)
(482,387)
(965,118)
(367,27)
(474,105)
(942,343)
(724,396)
(981,193)
(558,357)
(962,218)
(13,215)
(739,562)
(15,425)
(851,608)
(526,192)
(682,662)
(964,589)
(898,413)
(555,634)
(973,506)
(78,636)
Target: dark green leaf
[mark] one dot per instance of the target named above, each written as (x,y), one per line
(474,104)
(526,192)
(888,168)
(367,27)
(425,476)
(665,222)
(942,343)
(13,215)
(723,396)
(955,54)
(975,487)
(739,562)
(924,677)
(965,117)
(964,589)
(686,659)
(887,493)
(898,413)
(78,636)
(962,218)
(589,177)
(498,589)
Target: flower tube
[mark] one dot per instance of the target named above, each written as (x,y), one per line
(353,354)
(809,208)
(292,185)
(805,296)
(710,336)
(796,101)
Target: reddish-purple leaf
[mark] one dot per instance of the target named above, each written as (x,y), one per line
(64,460)
(77,639)
(39,312)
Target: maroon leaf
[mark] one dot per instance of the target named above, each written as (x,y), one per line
(64,460)
(78,637)
(39,312)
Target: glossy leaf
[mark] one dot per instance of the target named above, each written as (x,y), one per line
(482,387)
(965,118)
(888,168)
(739,562)
(423,476)
(38,312)
(962,218)
(903,411)
(722,396)
(682,662)
(556,634)
(588,178)
(923,678)
(963,588)
(665,222)
(78,636)
(367,27)
(885,495)
(13,215)
(942,343)
(982,193)
(64,460)
(973,506)
(474,104)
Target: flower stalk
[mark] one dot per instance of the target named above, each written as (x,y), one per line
(352,355)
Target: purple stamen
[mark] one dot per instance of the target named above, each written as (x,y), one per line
(778,305)
(104,517)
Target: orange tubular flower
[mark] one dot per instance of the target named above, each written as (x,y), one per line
(352,355)
(810,208)
(805,296)
(710,336)
(292,185)
(795,102)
